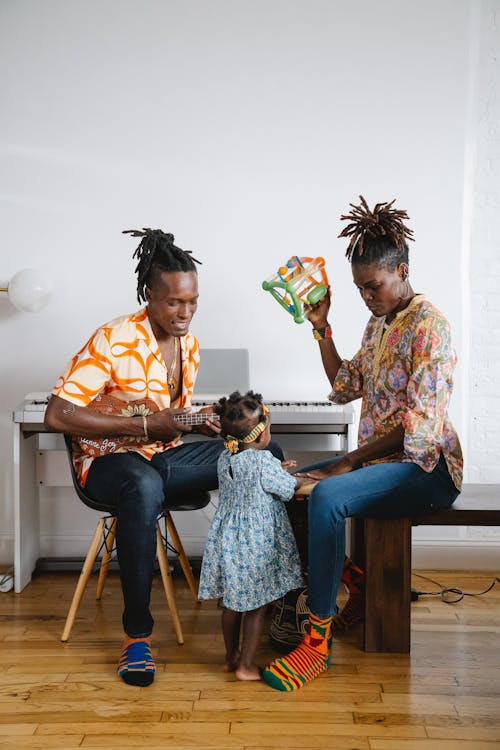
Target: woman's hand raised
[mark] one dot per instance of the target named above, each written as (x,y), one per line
(318,314)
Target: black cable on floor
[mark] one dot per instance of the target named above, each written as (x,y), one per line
(450,595)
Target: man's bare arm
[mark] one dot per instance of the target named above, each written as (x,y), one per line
(64,416)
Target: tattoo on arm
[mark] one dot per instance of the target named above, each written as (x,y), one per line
(69,409)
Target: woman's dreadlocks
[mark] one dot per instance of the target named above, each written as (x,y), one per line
(157,253)
(377,236)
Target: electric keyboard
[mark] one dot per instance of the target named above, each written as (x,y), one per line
(309,412)
(287,413)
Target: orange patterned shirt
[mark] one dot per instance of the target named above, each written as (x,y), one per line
(123,359)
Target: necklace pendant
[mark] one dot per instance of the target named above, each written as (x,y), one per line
(171,379)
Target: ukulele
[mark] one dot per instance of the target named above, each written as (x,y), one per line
(106,404)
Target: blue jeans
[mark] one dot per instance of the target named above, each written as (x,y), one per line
(387,490)
(137,489)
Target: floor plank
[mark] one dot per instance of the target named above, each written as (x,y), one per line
(444,696)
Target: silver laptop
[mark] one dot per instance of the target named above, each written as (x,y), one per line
(221,372)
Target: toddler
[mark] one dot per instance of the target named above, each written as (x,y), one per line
(251,556)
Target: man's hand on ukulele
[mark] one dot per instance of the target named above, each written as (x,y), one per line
(162,425)
(210,428)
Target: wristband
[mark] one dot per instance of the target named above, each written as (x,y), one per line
(145,427)
(322,333)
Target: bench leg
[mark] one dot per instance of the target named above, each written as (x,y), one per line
(387,546)
(356,540)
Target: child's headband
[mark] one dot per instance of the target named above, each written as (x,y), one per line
(232,442)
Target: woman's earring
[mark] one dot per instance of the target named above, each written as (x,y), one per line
(406,290)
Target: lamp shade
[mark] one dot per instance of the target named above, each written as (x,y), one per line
(29,290)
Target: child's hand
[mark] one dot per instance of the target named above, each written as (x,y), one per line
(288,465)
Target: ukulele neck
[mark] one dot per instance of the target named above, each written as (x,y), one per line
(196,418)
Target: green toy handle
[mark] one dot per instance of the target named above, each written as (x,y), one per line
(316,294)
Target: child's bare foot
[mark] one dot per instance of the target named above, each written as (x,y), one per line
(232,662)
(248,673)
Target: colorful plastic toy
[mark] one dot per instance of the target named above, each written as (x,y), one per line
(299,283)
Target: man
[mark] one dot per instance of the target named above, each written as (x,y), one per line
(147,355)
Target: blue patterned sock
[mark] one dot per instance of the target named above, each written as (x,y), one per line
(136,665)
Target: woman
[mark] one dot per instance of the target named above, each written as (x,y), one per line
(409,459)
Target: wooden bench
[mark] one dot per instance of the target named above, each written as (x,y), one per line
(383,549)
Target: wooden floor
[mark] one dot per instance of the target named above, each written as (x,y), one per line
(445,696)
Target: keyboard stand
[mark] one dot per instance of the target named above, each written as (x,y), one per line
(26,504)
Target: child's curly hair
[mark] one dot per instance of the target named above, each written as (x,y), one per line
(239,413)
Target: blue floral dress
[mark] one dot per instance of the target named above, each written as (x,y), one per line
(251,556)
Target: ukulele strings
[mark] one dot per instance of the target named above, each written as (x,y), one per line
(192,419)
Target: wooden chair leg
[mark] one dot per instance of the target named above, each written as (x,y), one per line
(168,585)
(387,585)
(84,577)
(183,558)
(109,542)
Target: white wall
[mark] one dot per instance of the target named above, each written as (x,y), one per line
(484,259)
(245,128)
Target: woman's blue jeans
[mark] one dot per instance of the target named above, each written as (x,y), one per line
(137,489)
(386,490)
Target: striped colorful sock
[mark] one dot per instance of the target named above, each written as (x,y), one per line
(136,665)
(305,662)
(352,577)
(354,609)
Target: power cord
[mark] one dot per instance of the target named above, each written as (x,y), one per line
(450,595)
(7,580)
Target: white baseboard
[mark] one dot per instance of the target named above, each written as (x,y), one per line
(462,554)
(6,549)
(435,554)
(66,546)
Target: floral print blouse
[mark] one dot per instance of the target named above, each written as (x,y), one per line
(403,372)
